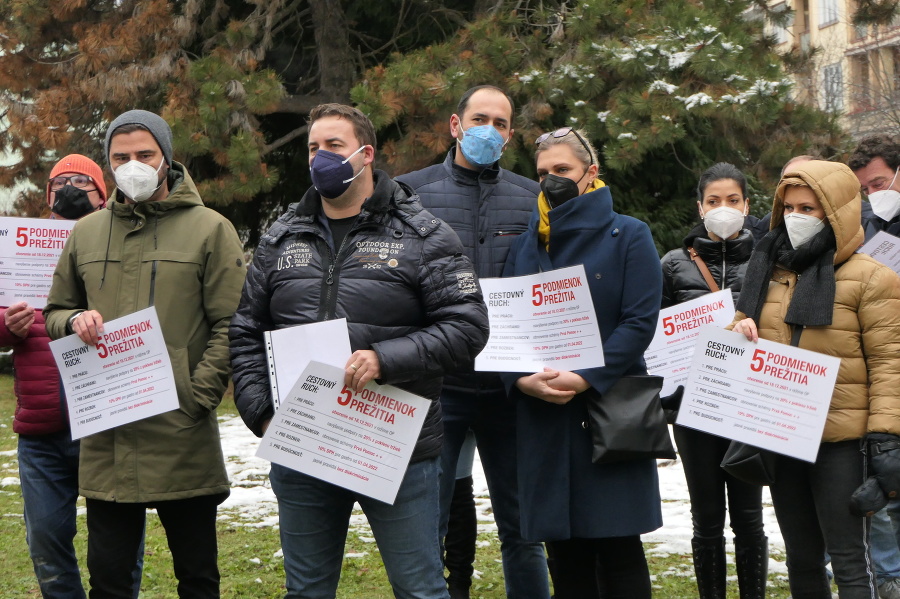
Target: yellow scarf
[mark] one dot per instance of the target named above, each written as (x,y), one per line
(544,209)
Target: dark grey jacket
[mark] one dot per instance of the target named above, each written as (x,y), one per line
(873,224)
(727,263)
(488,210)
(399,278)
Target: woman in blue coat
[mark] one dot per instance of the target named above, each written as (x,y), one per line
(590,515)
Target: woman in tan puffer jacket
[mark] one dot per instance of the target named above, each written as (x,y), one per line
(805,274)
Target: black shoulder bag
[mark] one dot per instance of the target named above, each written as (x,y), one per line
(627,422)
(749,463)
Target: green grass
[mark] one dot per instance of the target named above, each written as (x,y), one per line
(247,554)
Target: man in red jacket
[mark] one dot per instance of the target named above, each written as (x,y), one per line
(48,457)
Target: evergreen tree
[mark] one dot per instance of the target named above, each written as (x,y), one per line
(234,78)
(666,88)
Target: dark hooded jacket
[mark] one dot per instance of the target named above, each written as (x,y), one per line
(726,260)
(399,278)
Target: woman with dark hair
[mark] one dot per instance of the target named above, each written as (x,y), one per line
(714,257)
(805,280)
(591,516)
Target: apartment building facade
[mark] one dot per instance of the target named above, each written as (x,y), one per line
(852,71)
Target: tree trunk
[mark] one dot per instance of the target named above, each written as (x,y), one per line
(337,70)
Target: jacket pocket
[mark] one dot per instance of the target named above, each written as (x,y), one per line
(181,370)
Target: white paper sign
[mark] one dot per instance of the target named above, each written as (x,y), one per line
(127,377)
(767,394)
(672,348)
(885,248)
(358,441)
(29,251)
(540,320)
(290,349)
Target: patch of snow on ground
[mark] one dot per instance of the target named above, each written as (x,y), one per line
(252,502)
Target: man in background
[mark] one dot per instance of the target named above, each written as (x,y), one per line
(488,207)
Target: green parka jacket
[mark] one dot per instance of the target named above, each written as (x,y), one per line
(187,261)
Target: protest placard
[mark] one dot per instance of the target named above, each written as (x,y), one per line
(125,378)
(29,251)
(767,394)
(885,248)
(669,354)
(359,441)
(546,319)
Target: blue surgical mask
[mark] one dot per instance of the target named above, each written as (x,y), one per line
(481,145)
(332,174)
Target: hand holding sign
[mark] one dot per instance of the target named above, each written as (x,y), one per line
(88,326)
(747,328)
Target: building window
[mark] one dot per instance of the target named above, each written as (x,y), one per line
(780,25)
(861,93)
(828,12)
(833,88)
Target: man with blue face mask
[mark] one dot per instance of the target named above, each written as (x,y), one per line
(359,246)
(875,163)
(155,244)
(488,207)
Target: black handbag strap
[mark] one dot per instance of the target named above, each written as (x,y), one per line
(795,336)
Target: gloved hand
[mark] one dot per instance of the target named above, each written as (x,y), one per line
(672,403)
(883,484)
(867,499)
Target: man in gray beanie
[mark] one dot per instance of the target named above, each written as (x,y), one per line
(156,245)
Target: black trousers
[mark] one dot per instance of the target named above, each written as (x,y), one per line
(701,454)
(811,504)
(611,568)
(115,531)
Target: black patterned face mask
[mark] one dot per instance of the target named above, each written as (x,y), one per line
(72,203)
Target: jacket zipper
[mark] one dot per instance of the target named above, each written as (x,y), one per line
(722,284)
(153,280)
(329,303)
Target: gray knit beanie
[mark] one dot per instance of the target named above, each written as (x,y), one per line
(154,123)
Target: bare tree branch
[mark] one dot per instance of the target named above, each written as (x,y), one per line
(285,139)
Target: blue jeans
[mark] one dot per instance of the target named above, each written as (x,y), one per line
(492,416)
(885,542)
(48,471)
(314,516)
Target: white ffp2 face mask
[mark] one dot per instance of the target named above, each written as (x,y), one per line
(137,180)
(802,227)
(886,203)
(723,221)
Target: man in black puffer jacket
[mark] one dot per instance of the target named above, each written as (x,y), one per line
(489,207)
(359,246)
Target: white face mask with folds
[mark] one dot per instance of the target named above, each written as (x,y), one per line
(723,221)
(137,180)
(886,203)
(802,227)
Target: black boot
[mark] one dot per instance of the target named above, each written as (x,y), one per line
(709,566)
(459,545)
(751,558)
